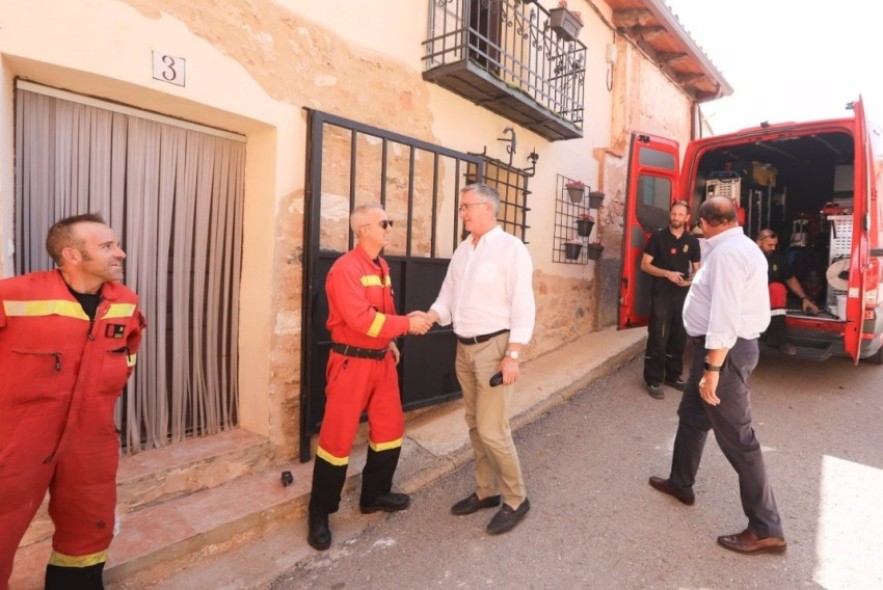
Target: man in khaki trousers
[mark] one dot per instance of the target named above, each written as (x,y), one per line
(488,296)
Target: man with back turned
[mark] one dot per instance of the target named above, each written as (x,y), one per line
(726,310)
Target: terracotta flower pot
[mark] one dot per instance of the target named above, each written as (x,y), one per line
(571,251)
(596,199)
(584,227)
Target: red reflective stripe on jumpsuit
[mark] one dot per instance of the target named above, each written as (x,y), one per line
(361,313)
(58,386)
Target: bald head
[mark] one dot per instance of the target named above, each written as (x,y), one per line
(718,215)
(718,211)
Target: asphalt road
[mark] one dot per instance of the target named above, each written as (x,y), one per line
(595,522)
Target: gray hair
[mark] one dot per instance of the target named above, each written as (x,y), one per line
(358,214)
(488,193)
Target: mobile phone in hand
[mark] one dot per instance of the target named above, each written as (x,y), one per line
(497,379)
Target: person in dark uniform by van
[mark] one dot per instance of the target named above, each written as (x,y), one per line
(671,257)
(781,278)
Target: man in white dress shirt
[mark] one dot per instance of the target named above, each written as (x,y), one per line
(726,309)
(488,296)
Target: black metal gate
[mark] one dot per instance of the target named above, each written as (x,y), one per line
(349,163)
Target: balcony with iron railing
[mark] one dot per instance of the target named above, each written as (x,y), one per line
(506,56)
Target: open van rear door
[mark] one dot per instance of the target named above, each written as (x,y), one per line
(651,188)
(855,302)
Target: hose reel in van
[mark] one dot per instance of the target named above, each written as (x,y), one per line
(838,283)
(838,275)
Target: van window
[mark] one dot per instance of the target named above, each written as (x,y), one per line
(654,199)
(656,159)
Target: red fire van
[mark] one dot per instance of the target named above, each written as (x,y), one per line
(815,184)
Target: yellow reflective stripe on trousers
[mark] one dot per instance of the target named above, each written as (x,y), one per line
(40,308)
(131,360)
(374,281)
(119,310)
(377,447)
(338,461)
(376,325)
(63,560)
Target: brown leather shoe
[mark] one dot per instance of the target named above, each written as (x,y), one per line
(748,542)
(663,485)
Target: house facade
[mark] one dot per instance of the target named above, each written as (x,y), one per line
(227,143)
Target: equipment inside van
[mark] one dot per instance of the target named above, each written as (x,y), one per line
(814,184)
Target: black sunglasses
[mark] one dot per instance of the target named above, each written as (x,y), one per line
(384,223)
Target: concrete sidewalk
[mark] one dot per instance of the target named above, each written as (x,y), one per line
(436,443)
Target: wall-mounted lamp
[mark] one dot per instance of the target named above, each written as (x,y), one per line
(533,156)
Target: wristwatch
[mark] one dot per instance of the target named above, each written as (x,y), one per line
(714,368)
(513,354)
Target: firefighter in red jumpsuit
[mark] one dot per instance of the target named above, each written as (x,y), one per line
(68,339)
(361,375)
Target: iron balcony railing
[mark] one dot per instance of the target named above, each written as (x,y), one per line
(508,57)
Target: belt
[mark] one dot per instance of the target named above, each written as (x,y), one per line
(698,340)
(481,338)
(362,353)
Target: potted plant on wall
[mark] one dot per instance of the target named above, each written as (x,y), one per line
(595,249)
(584,225)
(565,22)
(572,249)
(576,190)
(596,199)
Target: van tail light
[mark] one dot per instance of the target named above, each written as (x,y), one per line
(871,298)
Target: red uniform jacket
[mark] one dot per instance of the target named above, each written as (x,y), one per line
(361,311)
(55,361)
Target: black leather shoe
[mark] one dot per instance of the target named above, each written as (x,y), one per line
(655,391)
(390,502)
(507,517)
(677,383)
(319,536)
(664,486)
(473,504)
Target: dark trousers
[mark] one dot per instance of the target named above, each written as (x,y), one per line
(731,422)
(666,338)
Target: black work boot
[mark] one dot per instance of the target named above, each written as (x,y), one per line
(75,578)
(327,485)
(319,536)
(380,466)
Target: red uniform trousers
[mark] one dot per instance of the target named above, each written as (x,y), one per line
(81,480)
(355,385)
(776,332)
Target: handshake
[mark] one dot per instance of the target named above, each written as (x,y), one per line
(419,322)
